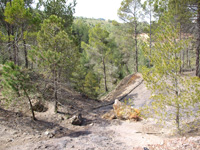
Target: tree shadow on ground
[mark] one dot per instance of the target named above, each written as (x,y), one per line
(24,124)
(79,133)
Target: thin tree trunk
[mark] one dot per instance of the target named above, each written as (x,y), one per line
(136,48)
(25,54)
(9,41)
(17,54)
(14,47)
(31,106)
(177,106)
(187,53)
(14,52)
(55,92)
(188,60)
(181,52)
(198,43)
(150,42)
(9,31)
(183,59)
(178,117)
(104,73)
(9,48)
(25,48)
(177,95)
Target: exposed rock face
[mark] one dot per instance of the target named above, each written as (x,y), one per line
(77,119)
(124,87)
(125,112)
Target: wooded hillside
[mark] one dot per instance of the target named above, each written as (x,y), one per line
(43,49)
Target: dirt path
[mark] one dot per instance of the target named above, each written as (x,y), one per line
(55,132)
(114,135)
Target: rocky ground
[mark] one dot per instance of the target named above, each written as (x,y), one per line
(21,133)
(55,131)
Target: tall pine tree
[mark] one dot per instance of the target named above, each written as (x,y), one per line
(55,53)
(173,94)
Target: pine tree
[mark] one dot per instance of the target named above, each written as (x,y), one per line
(187,13)
(17,15)
(16,83)
(130,13)
(98,51)
(81,32)
(80,72)
(148,8)
(169,88)
(61,9)
(55,53)
(91,85)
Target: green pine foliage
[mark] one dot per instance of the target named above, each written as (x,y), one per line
(55,53)
(91,85)
(16,83)
(80,72)
(95,54)
(174,96)
(81,32)
(55,49)
(16,13)
(98,51)
(62,9)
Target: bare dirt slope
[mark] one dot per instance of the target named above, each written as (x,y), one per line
(21,133)
(55,132)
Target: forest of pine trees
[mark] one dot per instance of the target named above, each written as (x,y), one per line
(90,55)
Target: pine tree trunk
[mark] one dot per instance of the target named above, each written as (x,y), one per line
(55,92)
(136,48)
(150,42)
(17,54)
(25,54)
(188,58)
(181,56)
(25,49)
(177,107)
(14,52)
(183,59)
(177,95)
(198,43)
(104,74)
(14,47)
(31,106)
(9,41)
(178,117)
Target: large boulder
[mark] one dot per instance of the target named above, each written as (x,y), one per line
(125,112)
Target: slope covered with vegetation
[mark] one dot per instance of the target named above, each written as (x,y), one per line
(91,56)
